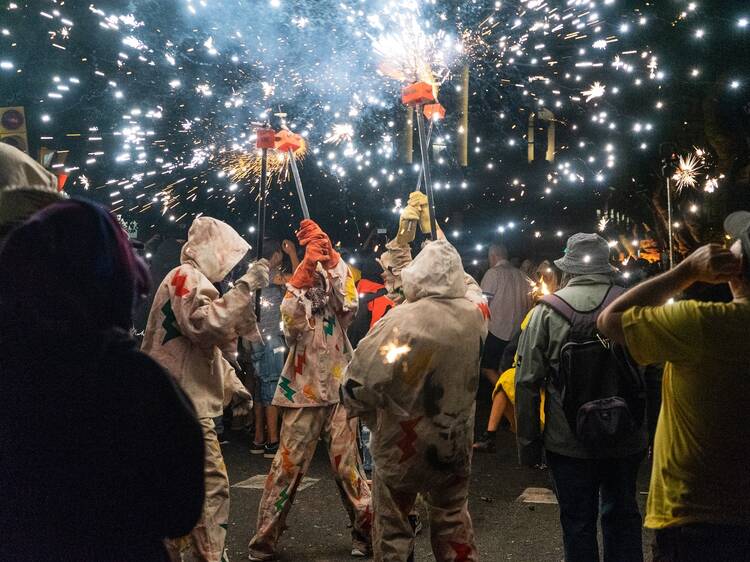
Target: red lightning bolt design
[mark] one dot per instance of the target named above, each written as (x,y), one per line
(300,363)
(178,282)
(406,443)
(485,309)
(463,551)
(286,463)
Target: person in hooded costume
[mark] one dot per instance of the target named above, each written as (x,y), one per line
(25,188)
(110,461)
(319,305)
(188,328)
(413,379)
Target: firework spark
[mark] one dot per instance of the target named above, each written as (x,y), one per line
(688,170)
(242,165)
(596,90)
(341,132)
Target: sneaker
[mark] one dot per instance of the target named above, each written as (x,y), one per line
(265,558)
(257,448)
(416,523)
(361,551)
(269,451)
(486,444)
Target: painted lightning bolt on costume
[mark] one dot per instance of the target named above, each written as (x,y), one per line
(413,379)
(319,305)
(187,328)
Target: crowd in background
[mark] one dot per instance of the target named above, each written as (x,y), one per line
(382,365)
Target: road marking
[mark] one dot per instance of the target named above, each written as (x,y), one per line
(537,495)
(258,482)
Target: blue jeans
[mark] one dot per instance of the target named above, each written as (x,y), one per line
(587,488)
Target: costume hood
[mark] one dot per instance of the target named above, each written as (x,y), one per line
(18,169)
(213,247)
(70,269)
(436,272)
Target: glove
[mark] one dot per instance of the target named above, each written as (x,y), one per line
(317,251)
(419,200)
(242,406)
(310,232)
(257,275)
(407,226)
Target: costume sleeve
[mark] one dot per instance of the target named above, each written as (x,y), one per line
(655,334)
(205,319)
(368,375)
(342,292)
(531,372)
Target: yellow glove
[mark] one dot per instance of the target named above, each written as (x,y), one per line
(419,199)
(407,226)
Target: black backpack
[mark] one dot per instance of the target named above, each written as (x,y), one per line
(603,390)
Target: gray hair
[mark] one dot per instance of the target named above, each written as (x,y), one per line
(499,251)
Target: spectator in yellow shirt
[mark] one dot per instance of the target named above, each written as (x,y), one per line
(699,500)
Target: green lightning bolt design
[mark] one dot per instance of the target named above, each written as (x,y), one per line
(288,391)
(328,324)
(283,497)
(170,323)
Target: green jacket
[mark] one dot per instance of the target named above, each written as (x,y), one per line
(538,361)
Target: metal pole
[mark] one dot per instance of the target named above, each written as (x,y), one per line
(426,171)
(298,184)
(261,217)
(669,226)
(429,136)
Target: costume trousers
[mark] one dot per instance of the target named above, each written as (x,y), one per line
(205,543)
(300,430)
(451,530)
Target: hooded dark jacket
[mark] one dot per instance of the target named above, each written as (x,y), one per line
(101,455)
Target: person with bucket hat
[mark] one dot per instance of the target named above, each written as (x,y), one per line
(699,497)
(594,472)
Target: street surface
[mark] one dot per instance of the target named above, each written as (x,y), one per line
(505,528)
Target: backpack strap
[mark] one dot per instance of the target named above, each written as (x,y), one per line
(582,323)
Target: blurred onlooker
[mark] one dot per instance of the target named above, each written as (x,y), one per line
(594,434)
(25,188)
(111,462)
(528,268)
(699,499)
(269,352)
(508,291)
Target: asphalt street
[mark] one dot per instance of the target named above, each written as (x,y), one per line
(506,528)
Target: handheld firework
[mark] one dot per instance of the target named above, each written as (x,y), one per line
(419,94)
(265,139)
(287,141)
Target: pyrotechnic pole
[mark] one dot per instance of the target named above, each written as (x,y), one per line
(298,184)
(265,139)
(426,172)
(287,141)
(463,127)
(419,94)
(669,226)
(408,146)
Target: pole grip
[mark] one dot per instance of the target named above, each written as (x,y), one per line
(298,184)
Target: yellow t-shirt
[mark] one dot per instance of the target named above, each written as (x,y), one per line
(507,381)
(701,471)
